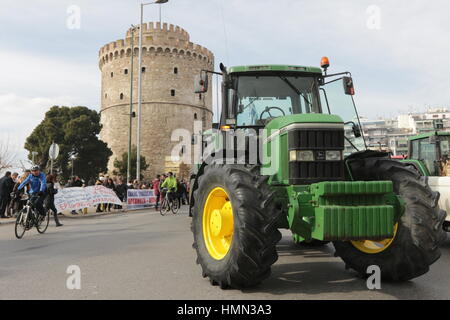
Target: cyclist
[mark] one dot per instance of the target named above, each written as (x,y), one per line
(171,185)
(38,186)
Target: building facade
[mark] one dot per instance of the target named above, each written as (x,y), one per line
(392,134)
(170,63)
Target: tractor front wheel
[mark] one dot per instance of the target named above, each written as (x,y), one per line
(234,226)
(414,246)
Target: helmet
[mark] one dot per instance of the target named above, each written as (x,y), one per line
(35,168)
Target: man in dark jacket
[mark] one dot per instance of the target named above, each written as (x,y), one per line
(6,187)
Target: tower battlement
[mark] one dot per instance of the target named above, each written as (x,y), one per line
(157,39)
(164,30)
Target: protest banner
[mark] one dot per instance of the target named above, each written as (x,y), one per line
(140,199)
(79,197)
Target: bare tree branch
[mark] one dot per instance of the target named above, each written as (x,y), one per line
(7,155)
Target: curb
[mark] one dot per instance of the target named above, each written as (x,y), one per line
(82,216)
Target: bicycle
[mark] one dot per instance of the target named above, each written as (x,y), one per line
(28,218)
(169,204)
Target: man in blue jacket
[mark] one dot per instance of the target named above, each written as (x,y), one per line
(38,185)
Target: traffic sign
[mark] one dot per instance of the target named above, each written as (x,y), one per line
(53,152)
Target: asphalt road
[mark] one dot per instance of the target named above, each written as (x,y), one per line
(143,255)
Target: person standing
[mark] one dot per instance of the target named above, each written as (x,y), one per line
(9,208)
(76,182)
(121,192)
(110,185)
(49,201)
(156,192)
(184,192)
(6,187)
(100,206)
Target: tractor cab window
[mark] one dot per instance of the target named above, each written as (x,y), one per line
(428,155)
(415,150)
(263,98)
(444,146)
(335,101)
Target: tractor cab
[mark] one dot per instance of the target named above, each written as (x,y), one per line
(432,151)
(282,96)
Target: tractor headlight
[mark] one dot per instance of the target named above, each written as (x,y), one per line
(333,155)
(293,155)
(305,156)
(297,155)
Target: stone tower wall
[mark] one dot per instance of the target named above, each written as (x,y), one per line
(165,48)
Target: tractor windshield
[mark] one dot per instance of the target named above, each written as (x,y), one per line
(262,98)
(335,101)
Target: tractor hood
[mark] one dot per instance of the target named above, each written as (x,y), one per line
(319,120)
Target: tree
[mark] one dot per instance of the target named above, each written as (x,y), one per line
(76,131)
(122,165)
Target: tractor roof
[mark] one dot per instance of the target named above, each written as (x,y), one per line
(429,134)
(275,67)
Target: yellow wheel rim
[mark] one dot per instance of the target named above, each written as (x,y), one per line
(218,224)
(373,247)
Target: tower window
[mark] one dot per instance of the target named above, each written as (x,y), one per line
(175,70)
(121,96)
(112,74)
(195,116)
(172,93)
(143,69)
(125,71)
(106,95)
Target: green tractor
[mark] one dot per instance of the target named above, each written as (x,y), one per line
(429,154)
(288,153)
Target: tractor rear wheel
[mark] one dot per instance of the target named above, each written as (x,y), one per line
(234,226)
(417,234)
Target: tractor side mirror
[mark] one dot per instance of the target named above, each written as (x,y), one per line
(348,86)
(356,131)
(201,83)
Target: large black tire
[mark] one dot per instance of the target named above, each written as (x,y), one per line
(42,222)
(253,247)
(415,246)
(19,228)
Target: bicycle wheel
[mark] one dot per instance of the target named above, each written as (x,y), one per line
(175,206)
(42,221)
(163,207)
(20,227)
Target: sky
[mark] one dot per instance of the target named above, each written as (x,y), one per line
(395,50)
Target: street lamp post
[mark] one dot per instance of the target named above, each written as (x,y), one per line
(138,137)
(33,154)
(72,158)
(133,29)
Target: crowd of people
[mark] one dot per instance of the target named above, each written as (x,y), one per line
(178,187)
(13,198)
(14,190)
